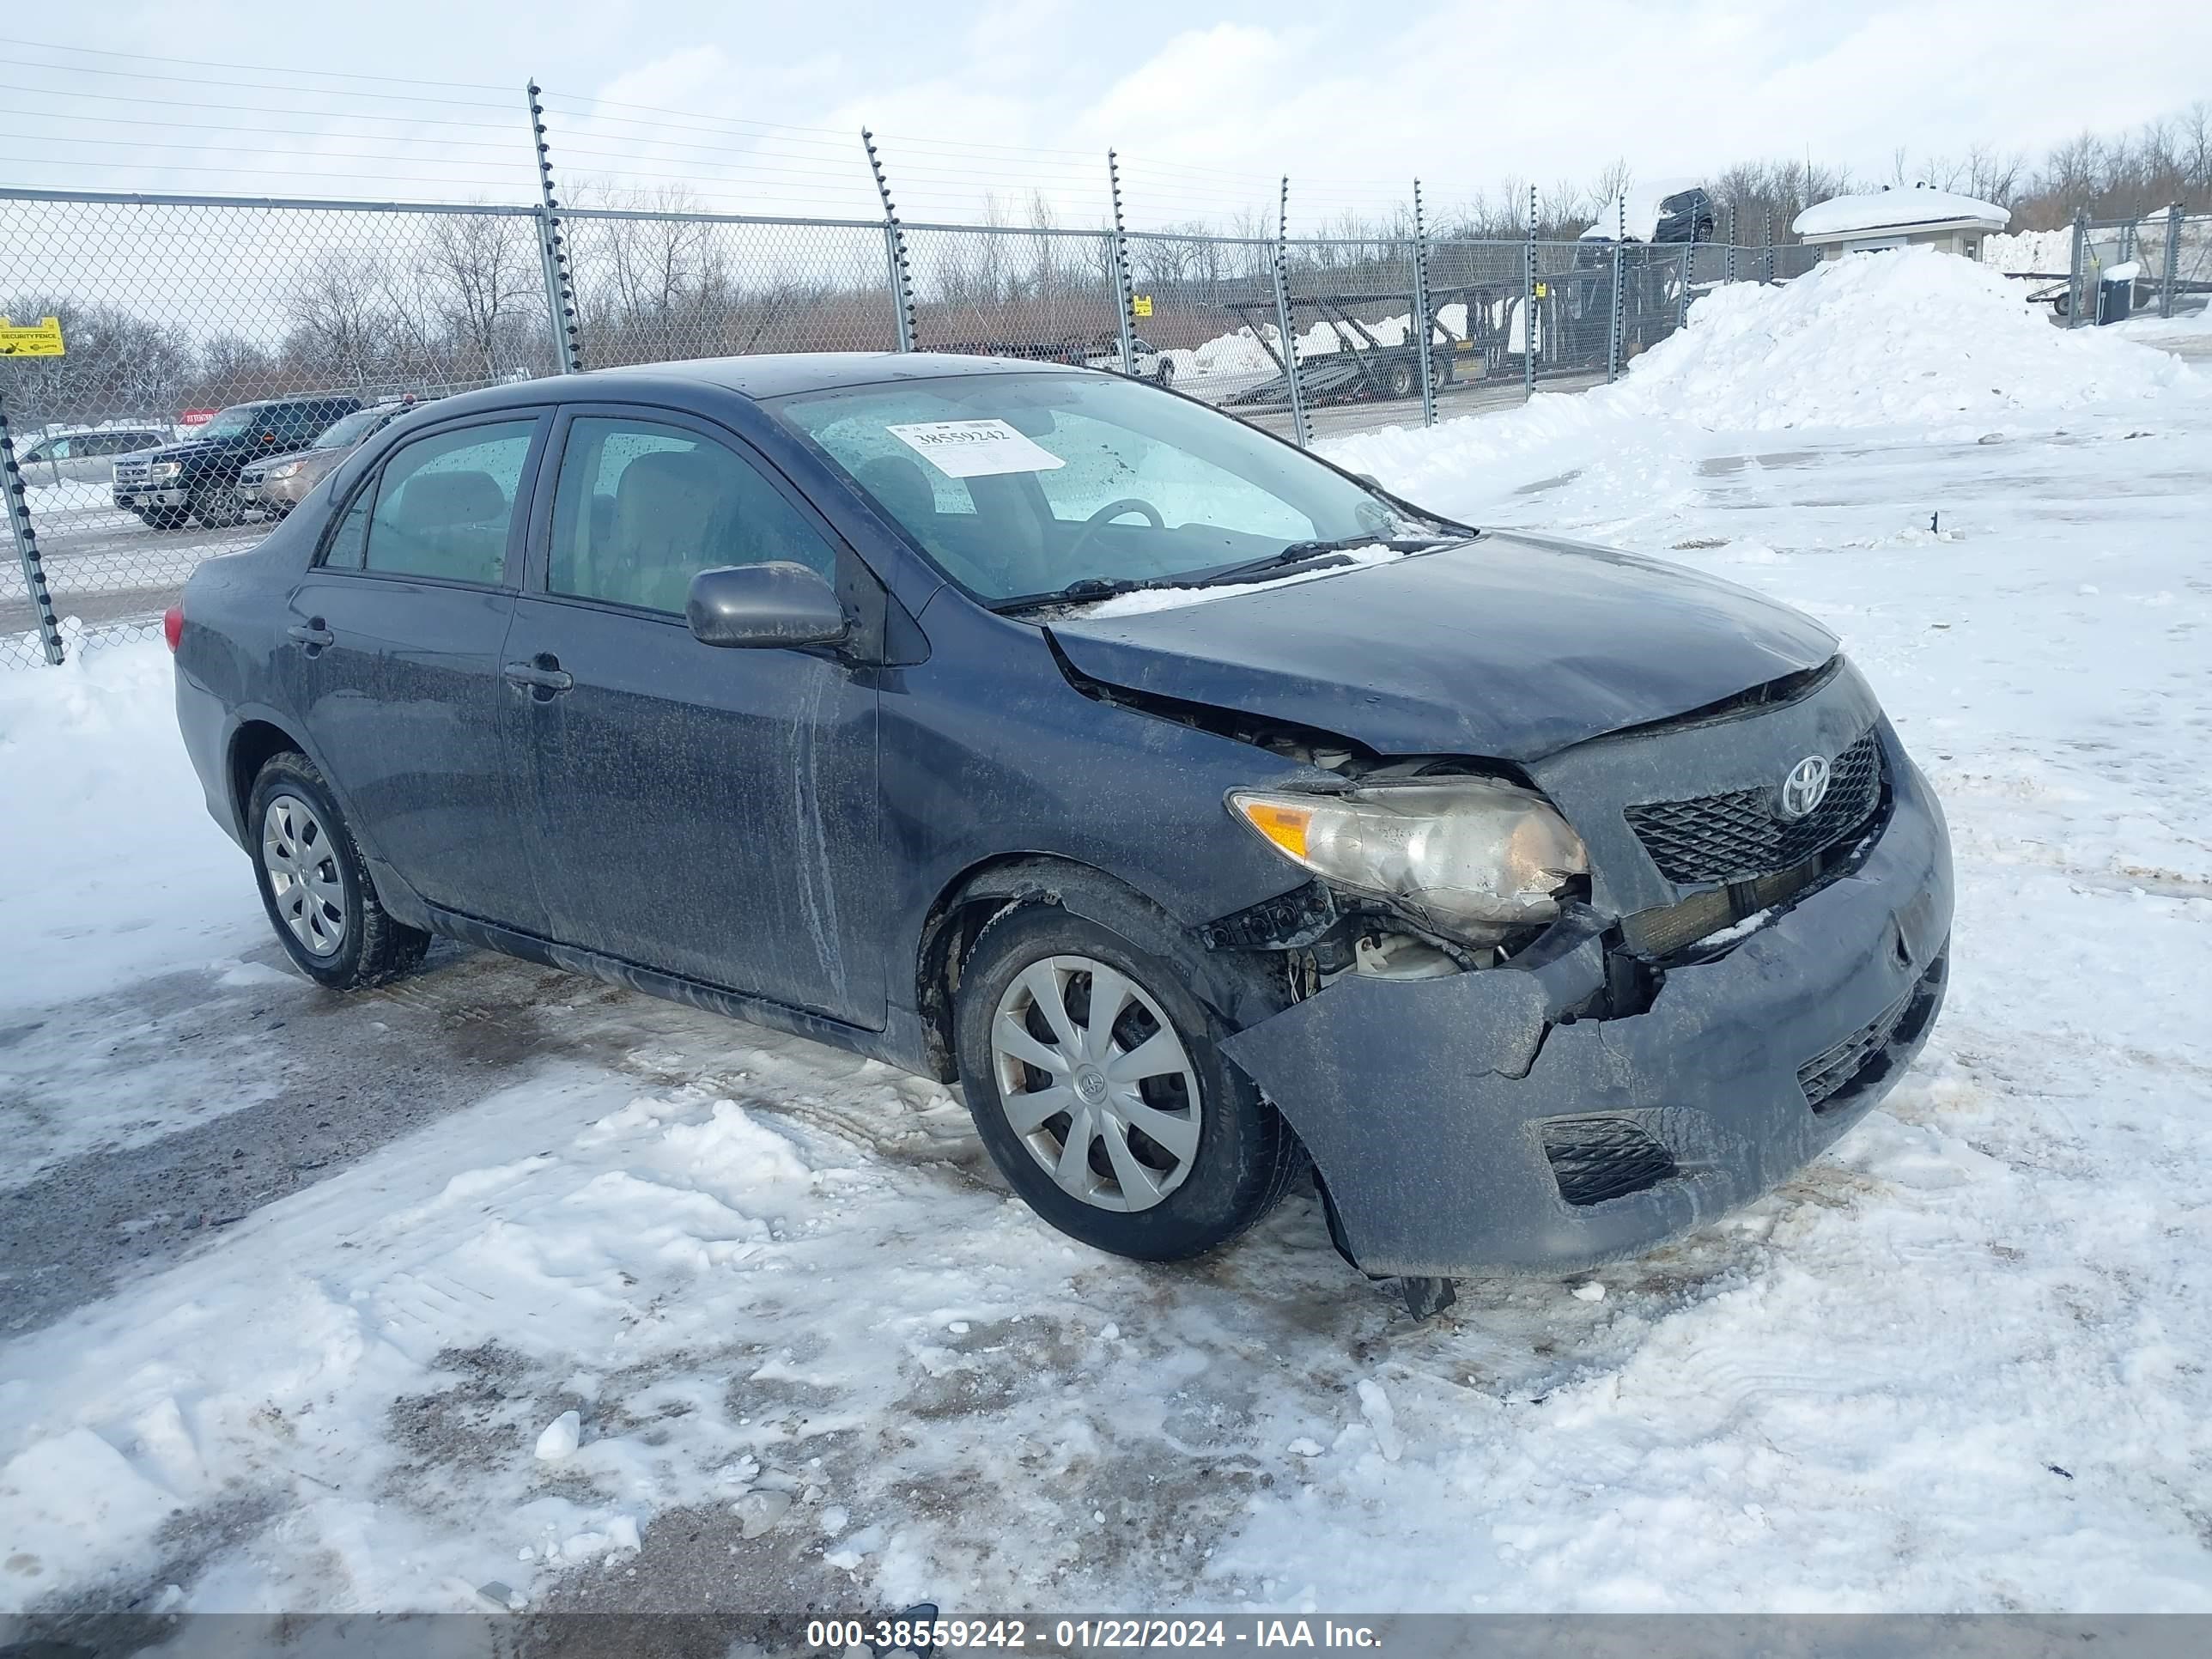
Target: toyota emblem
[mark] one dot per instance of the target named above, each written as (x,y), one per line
(1805,787)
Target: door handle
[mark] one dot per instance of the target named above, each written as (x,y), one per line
(312,634)
(544,675)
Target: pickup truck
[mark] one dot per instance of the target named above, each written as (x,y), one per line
(198,477)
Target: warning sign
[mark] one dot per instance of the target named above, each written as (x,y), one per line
(1141,305)
(1543,290)
(39,339)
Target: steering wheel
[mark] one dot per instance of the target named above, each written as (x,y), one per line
(1106,514)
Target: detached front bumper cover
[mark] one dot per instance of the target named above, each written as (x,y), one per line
(1462,1129)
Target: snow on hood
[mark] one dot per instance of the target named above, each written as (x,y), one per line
(1890,209)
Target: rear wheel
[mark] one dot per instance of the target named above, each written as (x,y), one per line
(1400,380)
(1098,1085)
(314,884)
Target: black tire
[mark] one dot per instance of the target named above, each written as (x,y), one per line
(368,947)
(163,518)
(1402,382)
(1246,1156)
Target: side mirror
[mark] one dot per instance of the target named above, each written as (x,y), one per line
(756,605)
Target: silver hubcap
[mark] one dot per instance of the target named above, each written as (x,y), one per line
(302,863)
(1094,1079)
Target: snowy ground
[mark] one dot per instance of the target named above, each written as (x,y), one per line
(295,1283)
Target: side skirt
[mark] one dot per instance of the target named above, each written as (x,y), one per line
(898,1044)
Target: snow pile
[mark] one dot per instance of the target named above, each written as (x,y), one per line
(1243,351)
(83,747)
(1237,353)
(1880,339)
(2050,252)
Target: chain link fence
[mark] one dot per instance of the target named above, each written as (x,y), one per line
(261,328)
(2168,251)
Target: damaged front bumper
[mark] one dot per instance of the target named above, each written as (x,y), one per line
(1472,1124)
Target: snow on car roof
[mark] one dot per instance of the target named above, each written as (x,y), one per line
(1890,209)
(1644,211)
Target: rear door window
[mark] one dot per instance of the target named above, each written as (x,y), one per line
(445,505)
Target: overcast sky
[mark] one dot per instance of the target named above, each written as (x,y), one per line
(1209,102)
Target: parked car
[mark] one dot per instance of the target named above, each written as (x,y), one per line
(198,477)
(1201,808)
(1147,360)
(281,483)
(84,454)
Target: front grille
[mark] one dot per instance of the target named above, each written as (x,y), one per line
(1739,836)
(1595,1158)
(132,472)
(1842,1065)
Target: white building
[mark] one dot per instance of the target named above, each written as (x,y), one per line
(1905,217)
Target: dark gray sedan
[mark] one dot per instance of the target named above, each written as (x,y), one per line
(1207,812)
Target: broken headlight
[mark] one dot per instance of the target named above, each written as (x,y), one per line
(1467,856)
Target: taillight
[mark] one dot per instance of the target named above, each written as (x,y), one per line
(172,624)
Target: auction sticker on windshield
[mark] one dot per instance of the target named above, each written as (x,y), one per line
(974,449)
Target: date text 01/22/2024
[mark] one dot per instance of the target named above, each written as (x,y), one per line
(916,1635)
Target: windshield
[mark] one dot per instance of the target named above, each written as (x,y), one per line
(342,435)
(1020,485)
(232,423)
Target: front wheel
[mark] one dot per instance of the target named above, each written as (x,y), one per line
(1098,1087)
(314,884)
(215,508)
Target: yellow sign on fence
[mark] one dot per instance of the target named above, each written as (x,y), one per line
(1141,305)
(39,339)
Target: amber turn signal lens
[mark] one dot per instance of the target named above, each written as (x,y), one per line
(1285,826)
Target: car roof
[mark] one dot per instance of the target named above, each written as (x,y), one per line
(782,373)
(297,398)
(749,379)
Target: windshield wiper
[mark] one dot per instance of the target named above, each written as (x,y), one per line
(1299,552)
(1079,592)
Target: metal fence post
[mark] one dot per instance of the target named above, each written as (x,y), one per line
(553,251)
(1529,304)
(2081,259)
(1613,322)
(1299,433)
(894,249)
(1423,321)
(27,544)
(1125,285)
(1767,230)
(2173,254)
(1727,259)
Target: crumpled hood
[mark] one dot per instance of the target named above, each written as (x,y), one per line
(1512,646)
